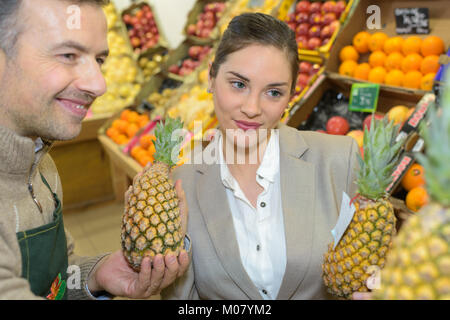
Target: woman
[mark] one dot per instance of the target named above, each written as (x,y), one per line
(259,227)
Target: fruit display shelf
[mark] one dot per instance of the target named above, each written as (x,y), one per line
(315,23)
(143,27)
(203,19)
(397,62)
(186,58)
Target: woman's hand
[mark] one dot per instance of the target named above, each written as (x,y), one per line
(362,296)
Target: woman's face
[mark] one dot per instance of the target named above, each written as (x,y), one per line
(251,90)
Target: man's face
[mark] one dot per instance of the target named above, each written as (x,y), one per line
(48,86)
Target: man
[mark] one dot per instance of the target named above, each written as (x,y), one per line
(50,57)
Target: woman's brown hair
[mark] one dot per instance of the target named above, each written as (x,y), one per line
(257,28)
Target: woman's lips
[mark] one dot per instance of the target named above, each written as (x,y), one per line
(245,125)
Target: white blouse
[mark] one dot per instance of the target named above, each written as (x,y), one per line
(259,231)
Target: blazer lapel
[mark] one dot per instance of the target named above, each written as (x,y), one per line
(216,212)
(298,197)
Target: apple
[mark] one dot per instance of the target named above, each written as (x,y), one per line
(315,7)
(292,26)
(174,69)
(368,119)
(315,68)
(314,31)
(184,71)
(303,79)
(334,25)
(302,41)
(302,17)
(135,42)
(325,33)
(358,135)
(291,17)
(305,67)
(339,8)
(314,43)
(126,18)
(316,18)
(302,29)
(337,125)
(398,114)
(194,51)
(325,41)
(302,6)
(329,6)
(329,17)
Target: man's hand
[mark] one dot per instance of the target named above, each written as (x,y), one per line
(114,275)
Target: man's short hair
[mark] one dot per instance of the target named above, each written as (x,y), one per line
(10,29)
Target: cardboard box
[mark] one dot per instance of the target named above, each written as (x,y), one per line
(439,23)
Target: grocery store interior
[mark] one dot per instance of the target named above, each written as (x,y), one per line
(354,61)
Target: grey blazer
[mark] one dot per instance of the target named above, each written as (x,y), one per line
(314,170)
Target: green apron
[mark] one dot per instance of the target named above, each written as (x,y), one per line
(44,255)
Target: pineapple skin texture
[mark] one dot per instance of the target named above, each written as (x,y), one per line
(151,223)
(418,266)
(365,243)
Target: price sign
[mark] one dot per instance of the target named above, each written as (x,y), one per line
(412,20)
(364,97)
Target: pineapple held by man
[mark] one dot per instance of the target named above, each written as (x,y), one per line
(151,222)
(418,266)
(369,234)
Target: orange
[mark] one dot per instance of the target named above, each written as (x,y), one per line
(348,53)
(427,81)
(145,141)
(112,132)
(432,45)
(132,129)
(394,78)
(414,177)
(411,62)
(416,198)
(412,79)
(120,125)
(361,41)
(151,149)
(133,116)
(136,151)
(411,45)
(377,75)
(362,71)
(121,139)
(143,120)
(377,41)
(394,61)
(347,68)
(377,59)
(143,160)
(393,45)
(124,114)
(430,64)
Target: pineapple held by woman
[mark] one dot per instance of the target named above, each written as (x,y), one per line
(418,266)
(151,223)
(369,234)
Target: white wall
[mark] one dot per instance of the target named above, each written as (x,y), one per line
(172,15)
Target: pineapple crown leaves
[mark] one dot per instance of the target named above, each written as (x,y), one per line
(168,141)
(436,162)
(381,153)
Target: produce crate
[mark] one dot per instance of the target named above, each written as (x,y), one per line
(184,53)
(301,112)
(193,18)
(439,11)
(287,13)
(132,11)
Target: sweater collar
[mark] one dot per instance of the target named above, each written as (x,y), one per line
(20,155)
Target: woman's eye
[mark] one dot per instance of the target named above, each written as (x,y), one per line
(238,84)
(275,93)
(100,61)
